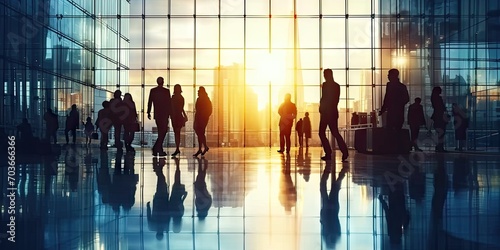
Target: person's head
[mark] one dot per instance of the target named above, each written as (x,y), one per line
(89,119)
(307,114)
(393,75)
(128,97)
(177,89)
(300,119)
(105,104)
(159,81)
(202,91)
(117,94)
(437,90)
(418,100)
(73,107)
(288,97)
(328,74)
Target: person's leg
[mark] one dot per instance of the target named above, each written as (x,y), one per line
(204,138)
(118,132)
(288,133)
(104,140)
(307,142)
(334,128)
(282,140)
(322,136)
(73,133)
(66,131)
(301,139)
(162,132)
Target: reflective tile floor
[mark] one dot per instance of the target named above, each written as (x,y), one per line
(251,198)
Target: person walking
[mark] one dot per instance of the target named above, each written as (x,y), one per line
(202,114)
(119,112)
(130,124)
(288,113)
(179,117)
(159,97)
(299,127)
(416,119)
(104,123)
(72,123)
(396,97)
(306,128)
(52,124)
(329,115)
(88,129)
(440,117)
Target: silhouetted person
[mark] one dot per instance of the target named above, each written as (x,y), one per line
(159,97)
(130,122)
(440,117)
(179,117)
(104,123)
(306,128)
(72,123)
(88,129)
(117,193)
(330,206)
(300,131)
(287,112)
(177,197)
(460,123)
(119,113)
(203,110)
(329,115)
(416,119)
(303,168)
(396,97)
(158,217)
(416,184)
(396,214)
(24,132)
(128,181)
(288,191)
(203,199)
(52,124)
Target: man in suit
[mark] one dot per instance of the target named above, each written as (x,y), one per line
(287,112)
(329,115)
(159,97)
(396,97)
(416,118)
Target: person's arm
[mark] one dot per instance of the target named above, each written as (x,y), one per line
(182,108)
(150,102)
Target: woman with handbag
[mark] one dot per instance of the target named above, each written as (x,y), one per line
(203,110)
(130,123)
(440,117)
(179,117)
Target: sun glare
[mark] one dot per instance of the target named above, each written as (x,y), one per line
(268,68)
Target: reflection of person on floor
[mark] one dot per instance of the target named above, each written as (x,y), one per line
(128,181)
(288,192)
(203,199)
(304,169)
(306,128)
(72,168)
(438,201)
(103,177)
(330,206)
(177,197)
(158,218)
(396,214)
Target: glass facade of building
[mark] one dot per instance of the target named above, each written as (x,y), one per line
(248,54)
(57,53)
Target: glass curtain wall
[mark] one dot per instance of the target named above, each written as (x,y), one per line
(58,53)
(248,54)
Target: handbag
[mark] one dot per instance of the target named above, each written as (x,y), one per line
(94,135)
(136,127)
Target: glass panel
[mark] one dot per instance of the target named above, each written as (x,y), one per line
(207,7)
(156,32)
(207,33)
(232,32)
(257,33)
